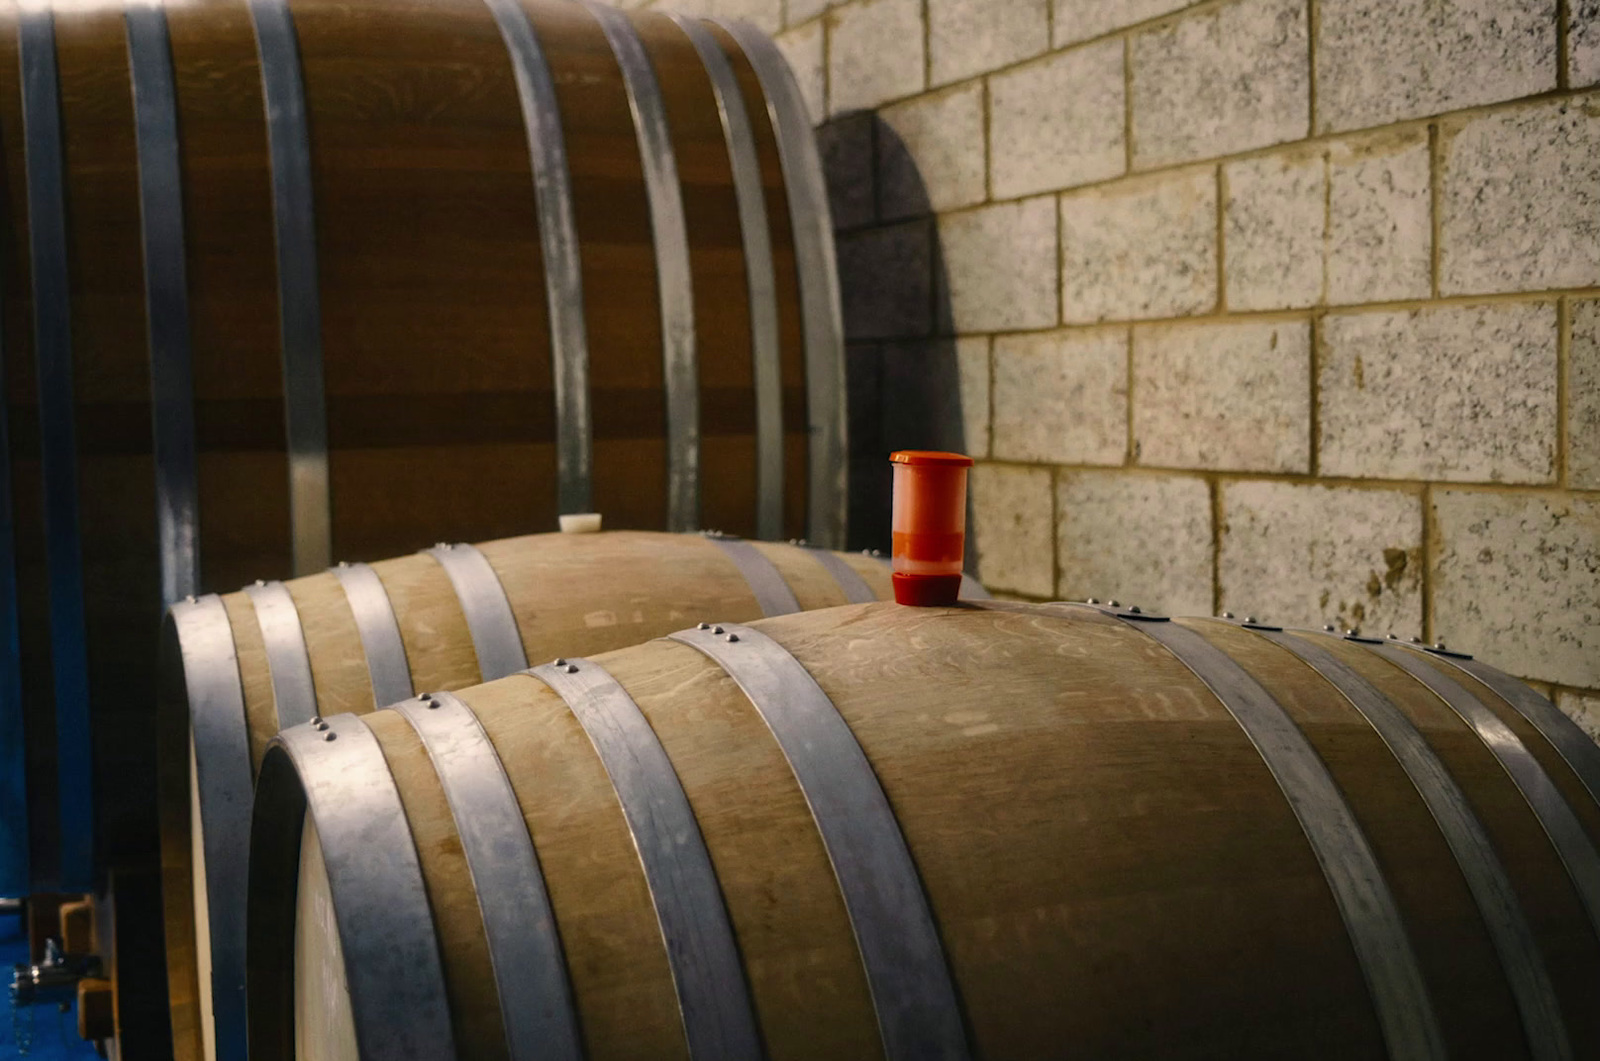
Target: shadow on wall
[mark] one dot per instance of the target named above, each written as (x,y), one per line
(903,376)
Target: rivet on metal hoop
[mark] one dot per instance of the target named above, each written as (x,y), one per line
(733,637)
(571,668)
(1227,615)
(718,630)
(330,735)
(702,626)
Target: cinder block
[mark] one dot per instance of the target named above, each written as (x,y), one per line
(885,280)
(972,357)
(930,158)
(845,144)
(1225,80)
(1229,396)
(1081,20)
(1520,200)
(1582,708)
(1303,555)
(802,47)
(1456,393)
(971,37)
(1382,61)
(1276,215)
(1058,122)
(1012,528)
(1516,581)
(1135,537)
(1380,229)
(1062,397)
(1140,248)
(874,53)
(1583,395)
(1583,42)
(1001,265)
(798,11)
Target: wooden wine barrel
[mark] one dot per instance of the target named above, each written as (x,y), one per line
(998,830)
(290,279)
(238,668)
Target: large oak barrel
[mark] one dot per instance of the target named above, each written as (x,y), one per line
(998,830)
(239,667)
(290,280)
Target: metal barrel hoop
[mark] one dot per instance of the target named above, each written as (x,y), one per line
(766,582)
(294,693)
(381,642)
(224,780)
(707,974)
(495,638)
(913,995)
(299,301)
(674,275)
(530,968)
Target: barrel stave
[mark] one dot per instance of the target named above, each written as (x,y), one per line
(468,976)
(333,643)
(1467,986)
(1548,899)
(617,965)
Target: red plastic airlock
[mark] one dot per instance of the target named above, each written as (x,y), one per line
(930,525)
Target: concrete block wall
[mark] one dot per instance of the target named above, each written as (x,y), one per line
(1280,306)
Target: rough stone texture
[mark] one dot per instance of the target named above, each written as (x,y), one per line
(1062,397)
(1583,42)
(1135,537)
(1223,395)
(931,154)
(798,11)
(1001,265)
(874,53)
(967,38)
(1303,555)
(1380,229)
(1381,61)
(1582,708)
(1080,20)
(1058,122)
(886,279)
(972,358)
(1454,393)
(1520,200)
(1221,81)
(802,47)
(1276,212)
(1140,249)
(1516,581)
(1583,396)
(845,145)
(923,397)
(1012,528)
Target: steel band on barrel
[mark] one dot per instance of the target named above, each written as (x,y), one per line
(336,772)
(1366,903)
(58,447)
(1555,816)
(1573,745)
(299,303)
(166,287)
(828,493)
(855,588)
(288,661)
(530,969)
(718,1021)
(766,582)
(223,779)
(483,601)
(558,239)
(1469,842)
(674,278)
(380,633)
(919,1014)
(759,277)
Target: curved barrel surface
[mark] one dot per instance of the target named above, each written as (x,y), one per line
(296,279)
(1138,835)
(240,667)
